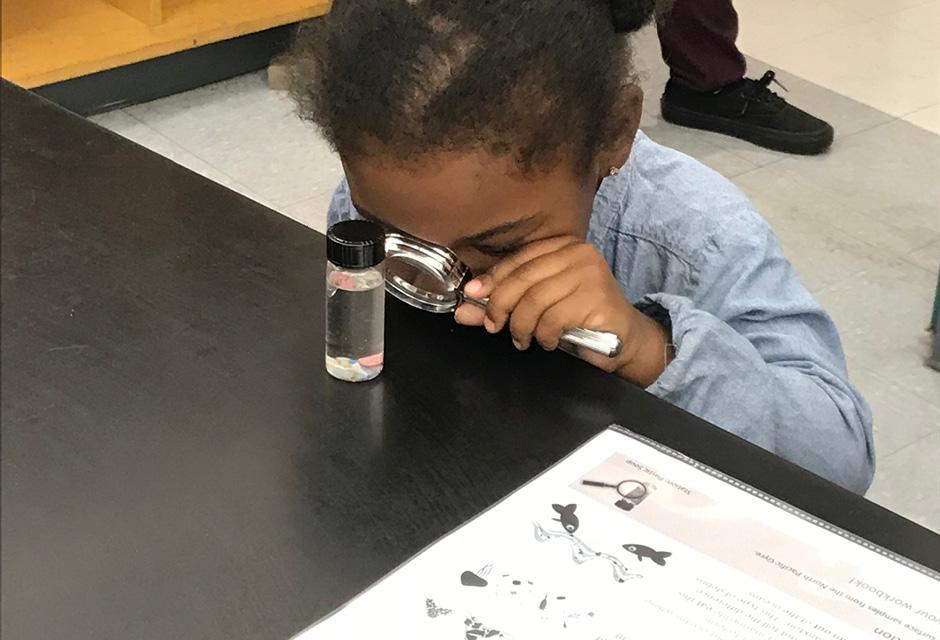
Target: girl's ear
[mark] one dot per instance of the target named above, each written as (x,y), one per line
(626,119)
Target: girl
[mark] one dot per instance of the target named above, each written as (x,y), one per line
(507,131)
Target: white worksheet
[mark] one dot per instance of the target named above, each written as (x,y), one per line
(627,540)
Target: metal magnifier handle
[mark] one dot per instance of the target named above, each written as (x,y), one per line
(602,342)
(598,483)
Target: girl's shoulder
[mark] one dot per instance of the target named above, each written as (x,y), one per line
(668,198)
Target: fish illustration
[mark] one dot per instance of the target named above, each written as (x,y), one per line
(471,579)
(567,518)
(641,551)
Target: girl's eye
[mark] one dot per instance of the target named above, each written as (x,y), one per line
(498,251)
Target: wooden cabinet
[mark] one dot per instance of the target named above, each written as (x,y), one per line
(46,41)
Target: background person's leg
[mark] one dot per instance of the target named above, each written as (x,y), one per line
(697,38)
(707,88)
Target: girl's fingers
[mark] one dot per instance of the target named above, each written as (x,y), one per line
(479,287)
(545,276)
(531,251)
(473,314)
(566,262)
(535,301)
(482,285)
(540,273)
(470,315)
(566,314)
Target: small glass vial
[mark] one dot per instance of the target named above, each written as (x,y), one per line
(355,300)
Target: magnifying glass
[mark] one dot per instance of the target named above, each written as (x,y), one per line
(633,489)
(432,278)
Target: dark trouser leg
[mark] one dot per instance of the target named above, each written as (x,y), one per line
(698,43)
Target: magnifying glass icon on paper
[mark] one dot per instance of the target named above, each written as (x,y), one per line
(632,492)
(432,278)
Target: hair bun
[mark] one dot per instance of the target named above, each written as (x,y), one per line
(628,16)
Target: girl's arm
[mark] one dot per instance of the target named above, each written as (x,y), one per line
(756,355)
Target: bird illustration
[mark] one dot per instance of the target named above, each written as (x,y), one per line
(640,551)
(567,518)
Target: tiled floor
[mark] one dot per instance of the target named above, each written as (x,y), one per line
(885,54)
(861,224)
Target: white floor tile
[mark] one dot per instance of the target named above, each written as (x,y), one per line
(827,242)
(900,417)
(253,132)
(856,209)
(927,257)
(887,173)
(133,129)
(883,67)
(882,315)
(907,482)
(764,26)
(311,212)
(129,127)
(922,20)
(874,8)
(928,118)
(119,122)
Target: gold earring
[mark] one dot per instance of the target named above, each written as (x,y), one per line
(614,171)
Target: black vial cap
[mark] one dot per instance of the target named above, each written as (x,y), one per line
(355,244)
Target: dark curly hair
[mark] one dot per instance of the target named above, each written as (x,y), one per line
(539,79)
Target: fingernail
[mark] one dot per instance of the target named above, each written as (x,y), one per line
(489,325)
(473,287)
(517,344)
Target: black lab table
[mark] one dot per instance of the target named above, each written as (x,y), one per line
(175,461)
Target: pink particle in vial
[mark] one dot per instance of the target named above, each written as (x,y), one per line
(342,280)
(375,360)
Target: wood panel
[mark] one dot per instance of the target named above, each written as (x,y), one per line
(150,12)
(45,41)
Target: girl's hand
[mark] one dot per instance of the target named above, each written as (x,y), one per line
(554,285)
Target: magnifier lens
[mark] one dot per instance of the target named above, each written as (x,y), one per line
(631,489)
(421,274)
(413,278)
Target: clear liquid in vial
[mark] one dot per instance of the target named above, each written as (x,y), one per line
(355,323)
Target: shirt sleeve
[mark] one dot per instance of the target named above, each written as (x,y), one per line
(341,206)
(756,355)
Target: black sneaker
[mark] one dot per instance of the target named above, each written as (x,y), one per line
(749,110)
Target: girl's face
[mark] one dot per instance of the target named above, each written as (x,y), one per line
(479,205)
(476,204)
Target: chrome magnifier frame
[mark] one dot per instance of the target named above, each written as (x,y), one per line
(633,489)
(409,261)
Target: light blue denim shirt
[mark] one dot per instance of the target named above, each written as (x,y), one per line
(755,353)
